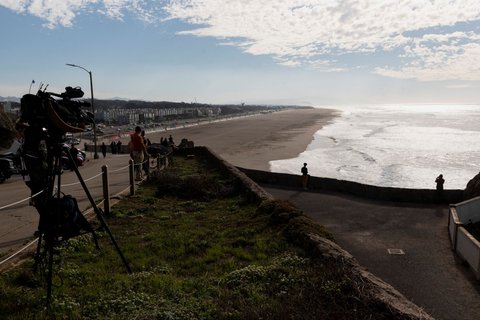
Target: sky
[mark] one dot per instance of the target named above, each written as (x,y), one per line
(305,52)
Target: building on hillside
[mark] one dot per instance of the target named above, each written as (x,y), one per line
(6,106)
(128,118)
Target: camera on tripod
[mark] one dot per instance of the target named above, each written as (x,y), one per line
(43,124)
(56,116)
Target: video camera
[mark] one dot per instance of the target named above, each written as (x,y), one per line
(56,116)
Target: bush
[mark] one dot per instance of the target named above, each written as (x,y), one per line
(198,186)
(280,211)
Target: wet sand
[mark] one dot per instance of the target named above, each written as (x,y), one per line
(252,142)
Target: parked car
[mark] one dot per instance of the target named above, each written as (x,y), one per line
(79,157)
(15,158)
(6,169)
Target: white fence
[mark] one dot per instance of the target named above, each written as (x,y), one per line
(463,243)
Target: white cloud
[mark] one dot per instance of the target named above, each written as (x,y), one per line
(15,5)
(310,32)
(63,12)
(459,86)
(54,12)
(317,33)
(434,57)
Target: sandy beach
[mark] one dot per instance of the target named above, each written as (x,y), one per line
(252,142)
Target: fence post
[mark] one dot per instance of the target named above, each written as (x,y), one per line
(106,190)
(131,174)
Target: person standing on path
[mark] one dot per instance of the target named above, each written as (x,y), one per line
(304,176)
(146,164)
(439,181)
(138,151)
(104,149)
(119,147)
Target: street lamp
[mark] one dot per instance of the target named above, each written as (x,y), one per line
(95,154)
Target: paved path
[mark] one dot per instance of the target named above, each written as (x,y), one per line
(427,274)
(18,223)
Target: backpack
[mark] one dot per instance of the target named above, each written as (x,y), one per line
(63,218)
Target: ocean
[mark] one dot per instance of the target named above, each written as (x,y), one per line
(404,146)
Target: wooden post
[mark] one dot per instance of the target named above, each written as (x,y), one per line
(131,170)
(106,190)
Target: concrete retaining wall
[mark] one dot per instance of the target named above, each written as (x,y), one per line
(463,243)
(468,211)
(362,190)
(468,248)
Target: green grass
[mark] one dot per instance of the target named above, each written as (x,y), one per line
(197,250)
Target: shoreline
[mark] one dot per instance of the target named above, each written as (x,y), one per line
(253,142)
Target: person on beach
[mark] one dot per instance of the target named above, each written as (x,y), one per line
(304,171)
(138,151)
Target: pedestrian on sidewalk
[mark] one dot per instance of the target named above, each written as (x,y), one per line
(103,147)
(138,151)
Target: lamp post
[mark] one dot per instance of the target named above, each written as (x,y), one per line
(30,89)
(95,154)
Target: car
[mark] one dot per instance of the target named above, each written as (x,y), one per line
(15,158)
(79,157)
(6,169)
(73,141)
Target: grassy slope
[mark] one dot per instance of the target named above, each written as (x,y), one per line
(198,250)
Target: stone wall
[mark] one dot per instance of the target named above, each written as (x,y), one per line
(354,188)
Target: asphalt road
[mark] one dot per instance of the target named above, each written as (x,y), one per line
(18,223)
(427,273)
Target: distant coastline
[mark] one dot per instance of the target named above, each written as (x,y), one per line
(252,142)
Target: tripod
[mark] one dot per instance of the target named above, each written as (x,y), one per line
(58,221)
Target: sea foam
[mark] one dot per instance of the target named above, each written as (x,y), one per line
(395,146)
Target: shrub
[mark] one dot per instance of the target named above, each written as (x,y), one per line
(198,186)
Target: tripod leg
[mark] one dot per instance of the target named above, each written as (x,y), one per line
(99,215)
(37,254)
(49,243)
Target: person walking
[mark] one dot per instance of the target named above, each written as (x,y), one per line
(304,171)
(138,151)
